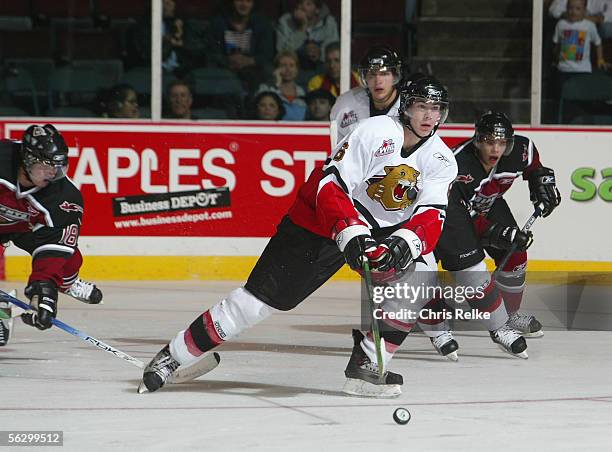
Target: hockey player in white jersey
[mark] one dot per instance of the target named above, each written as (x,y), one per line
(380,197)
(380,70)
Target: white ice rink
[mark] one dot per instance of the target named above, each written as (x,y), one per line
(278,385)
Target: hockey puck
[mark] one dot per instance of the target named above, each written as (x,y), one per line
(401,416)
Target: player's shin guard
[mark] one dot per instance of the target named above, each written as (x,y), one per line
(239,311)
(511,283)
(432,322)
(486,298)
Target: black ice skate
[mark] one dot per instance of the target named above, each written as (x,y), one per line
(510,341)
(158,371)
(84,291)
(526,324)
(446,345)
(362,378)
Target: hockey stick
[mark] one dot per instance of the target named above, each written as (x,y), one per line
(189,373)
(536,213)
(67,328)
(367,275)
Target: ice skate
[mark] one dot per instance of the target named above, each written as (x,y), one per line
(363,378)
(510,341)
(84,291)
(158,371)
(446,345)
(526,324)
(6,320)
(5,330)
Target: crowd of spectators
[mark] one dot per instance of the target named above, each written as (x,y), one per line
(243,50)
(572,29)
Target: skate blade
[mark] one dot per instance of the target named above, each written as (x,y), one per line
(362,388)
(452,356)
(534,335)
(142,388)
(522,355)
(196,370)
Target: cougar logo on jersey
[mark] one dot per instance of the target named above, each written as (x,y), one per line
(387,147)
(397,190)
(70,207)
(348,118)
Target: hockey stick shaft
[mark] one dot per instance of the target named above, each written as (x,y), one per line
(367,275)
(69,329)
(536,213)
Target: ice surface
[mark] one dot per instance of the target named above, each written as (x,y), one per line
(278,385)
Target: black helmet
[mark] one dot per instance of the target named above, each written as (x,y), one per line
(426,89)
(380,58)
(44,144)
(494,125)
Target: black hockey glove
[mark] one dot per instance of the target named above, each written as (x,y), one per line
(43,298)
(543,190)
(402,247)
(354,241)
(503,237)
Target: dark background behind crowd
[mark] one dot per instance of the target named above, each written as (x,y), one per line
(280,59)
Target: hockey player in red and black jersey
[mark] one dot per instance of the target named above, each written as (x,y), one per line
(479,220)
(41,213)
(380,197)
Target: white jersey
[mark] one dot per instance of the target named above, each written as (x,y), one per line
(386,184)
(354,106)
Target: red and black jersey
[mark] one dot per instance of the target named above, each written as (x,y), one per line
(476,188)
(45,222)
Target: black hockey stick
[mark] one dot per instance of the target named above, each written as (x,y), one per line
(367,275)
(536,213)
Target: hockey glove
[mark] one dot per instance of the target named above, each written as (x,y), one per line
(354,241)
(504,237)
(43,298)
(401,249)
(543,190)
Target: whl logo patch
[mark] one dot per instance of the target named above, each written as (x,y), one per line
(387,147)
(348,118)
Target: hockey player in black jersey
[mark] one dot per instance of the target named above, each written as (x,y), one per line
(41,213)
(479,220)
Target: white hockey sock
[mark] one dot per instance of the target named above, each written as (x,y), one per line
(237,312)
(369,348)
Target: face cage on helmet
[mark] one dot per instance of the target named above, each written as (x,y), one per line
(364,71)
(509,141)
(413,100)
(61,169)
